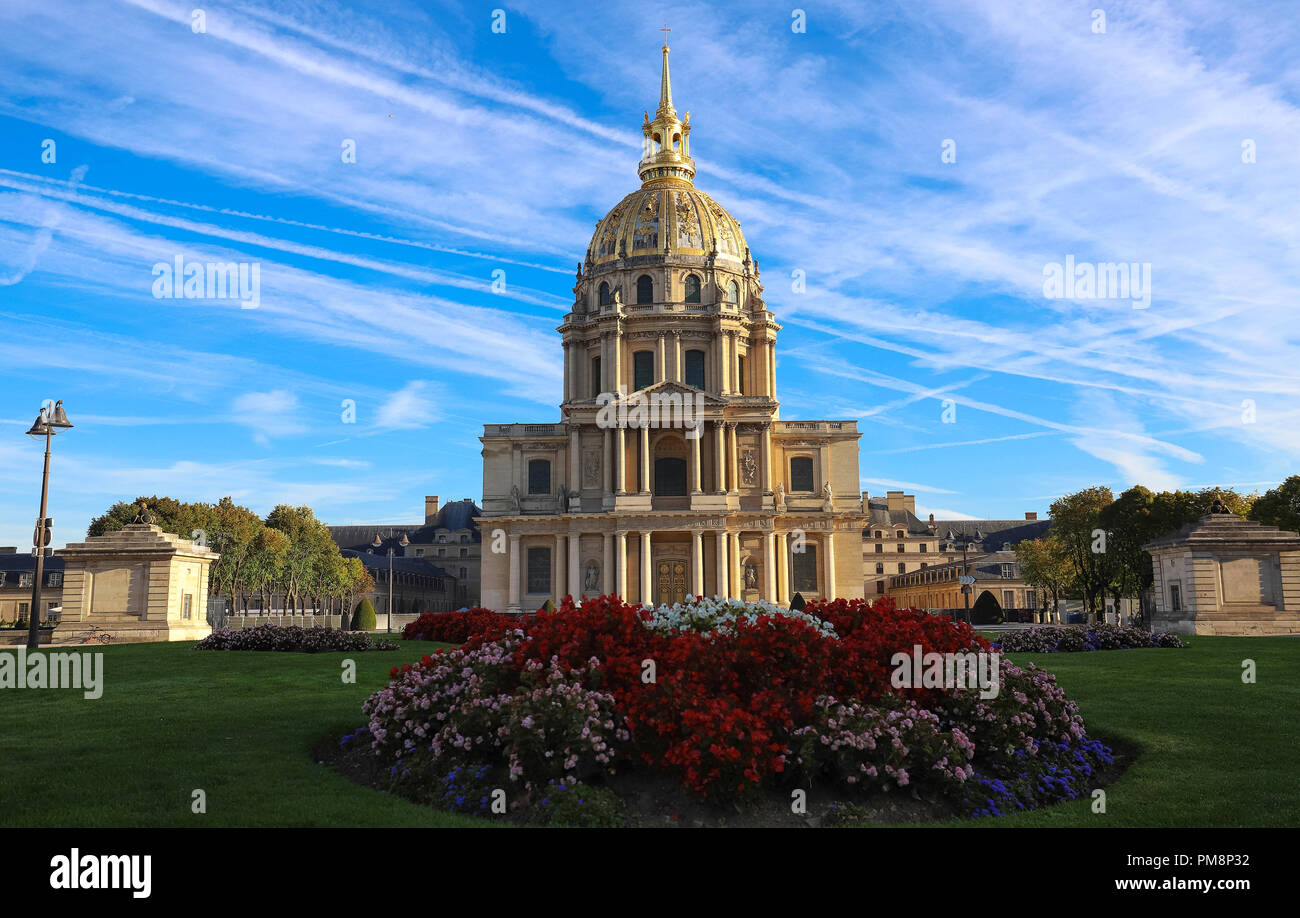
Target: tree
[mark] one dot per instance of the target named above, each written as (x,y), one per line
(1045,564)
(1076,524)
(1130,522)
(364,618)
(1279,506)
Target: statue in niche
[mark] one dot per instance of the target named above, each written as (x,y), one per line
(516,500)
(751,576)
(779,492)
(748,467)
(591,469)
(827,499)
(591,582)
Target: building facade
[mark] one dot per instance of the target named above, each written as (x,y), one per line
(1226,575)
(669,472)
(17,571)
(448,540)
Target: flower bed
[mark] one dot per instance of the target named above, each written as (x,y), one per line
(292,639)
(733,701)
(457,627)
(1078,638)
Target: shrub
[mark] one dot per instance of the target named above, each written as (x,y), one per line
(728,698)
(363,619)
(987,610)
(458,627)
(1076,638)
(292,639)
(463,708)
(580,806)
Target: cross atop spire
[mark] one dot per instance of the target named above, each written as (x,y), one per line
(665,85)
(666,153)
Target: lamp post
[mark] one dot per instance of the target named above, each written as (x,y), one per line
(379,543)
(966,542)
(46,424)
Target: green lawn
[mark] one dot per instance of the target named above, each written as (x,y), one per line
(1214,751)
(238,725)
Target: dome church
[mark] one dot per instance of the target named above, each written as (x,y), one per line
(670,472)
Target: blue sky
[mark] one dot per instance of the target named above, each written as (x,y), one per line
(479,151)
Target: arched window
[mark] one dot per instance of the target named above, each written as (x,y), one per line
(645,289)
(539,476)
(643,369)
(539,570)
(801,473)
(695,369)
(692,288)
(605,298)
(804,570)
(733,292)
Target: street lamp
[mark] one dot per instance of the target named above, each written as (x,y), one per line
(47,423)
(379,543)
(966,542)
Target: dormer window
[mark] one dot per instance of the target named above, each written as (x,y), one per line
(692,288)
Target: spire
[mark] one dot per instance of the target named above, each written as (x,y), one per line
(665,156)
(665,85)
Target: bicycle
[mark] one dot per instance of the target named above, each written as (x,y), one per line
(96,635)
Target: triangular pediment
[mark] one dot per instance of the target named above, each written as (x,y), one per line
(669,387)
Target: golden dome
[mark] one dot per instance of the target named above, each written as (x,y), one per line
(667,220)
(667,215)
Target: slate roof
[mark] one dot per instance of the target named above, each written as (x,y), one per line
(454,515)
(879,514)
(995,532)
(401,565)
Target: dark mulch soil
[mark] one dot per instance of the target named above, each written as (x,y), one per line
(654,800)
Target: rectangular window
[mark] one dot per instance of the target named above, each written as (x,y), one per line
(187,605)
(805,570)
(539,476)
(539,570)
(464,552)
(55,578)
(695,369)
(25,580)
(22,609)
(643,369)
(596,385)
(880,586)
(463,573)
(879,548)
(1175,597)
(740,364)
(1008,599)
(1006,572)
(801,473)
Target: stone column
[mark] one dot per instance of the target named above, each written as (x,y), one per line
(733,478)
(771,384)
(736,386)
(719,457)
(575,565)
(647,576)
(720,372)
(737,575)
(568,371)
(660,352)
(616,347)
(765,479)
(575,463)
(783,569)
(830,565)
(697,562)
(620,549)
(769,566)
(607,564)
(559,567)
(513,586)
(606,461)
(723,568)
(677,357)
(620,462)
(695,462)
(645,460)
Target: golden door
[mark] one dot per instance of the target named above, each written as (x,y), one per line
(671,582)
